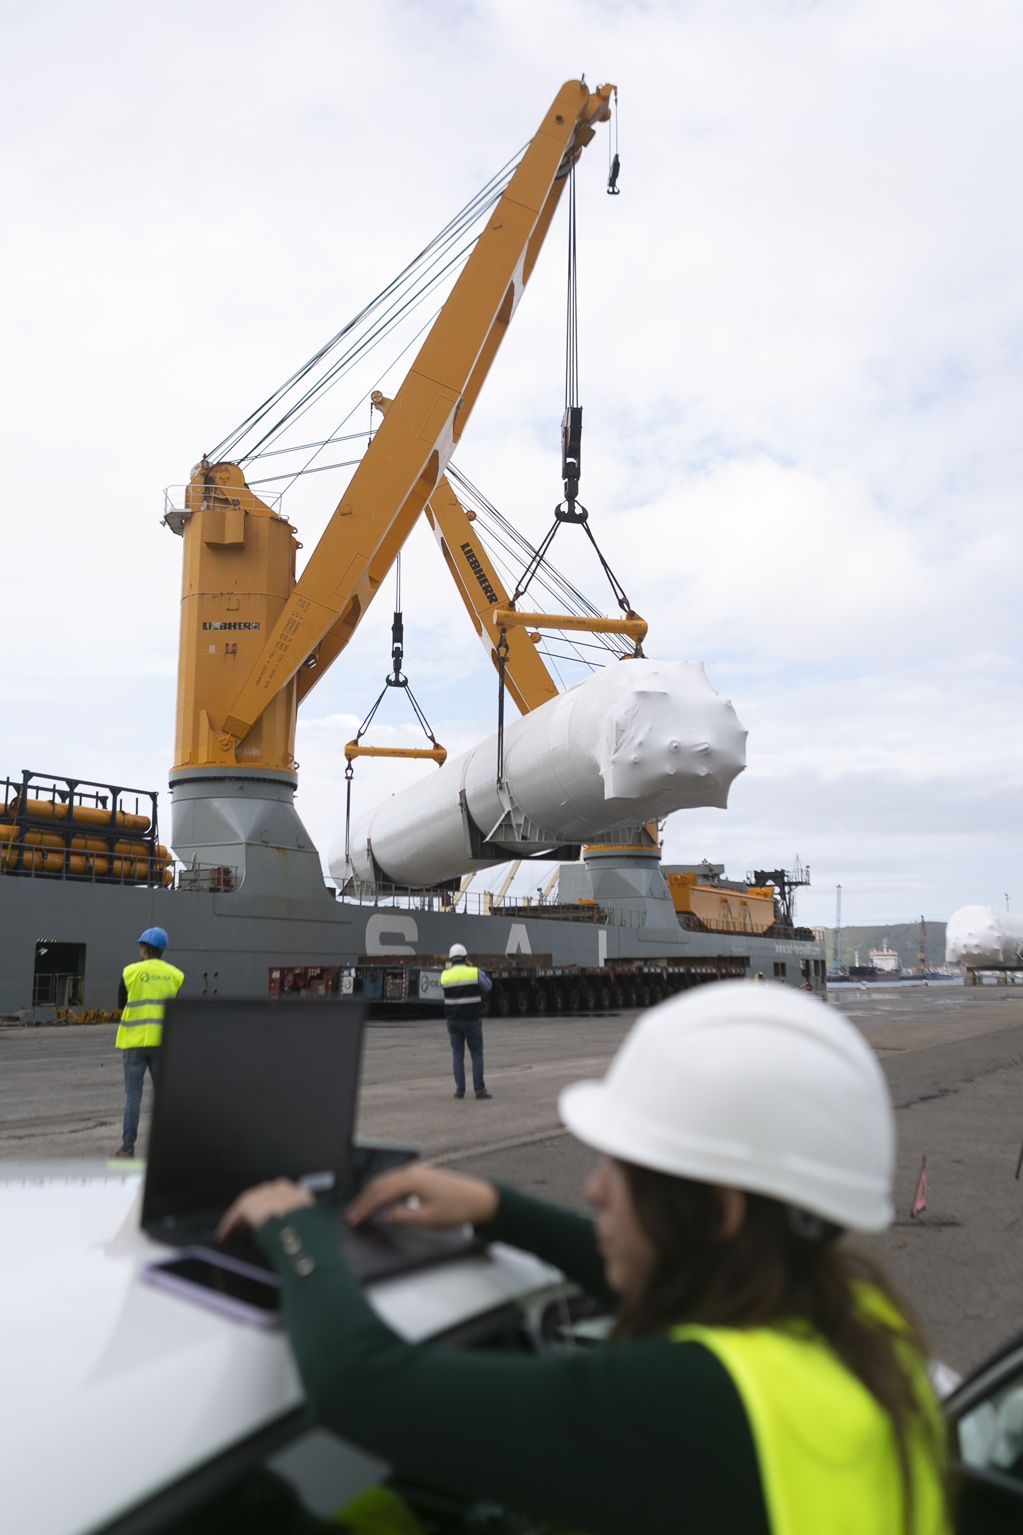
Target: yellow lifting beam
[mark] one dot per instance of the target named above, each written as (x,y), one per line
(634,626)
(419,753)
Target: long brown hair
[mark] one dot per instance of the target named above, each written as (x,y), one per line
(776,1268)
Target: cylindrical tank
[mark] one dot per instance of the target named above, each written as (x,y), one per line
(42,863)
(8,853)
(136,869)
(980,935)
(44,839)
(632,743)
(82,844)
(82,815)
(88,863)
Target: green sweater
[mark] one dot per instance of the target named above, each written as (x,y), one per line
(647,1436)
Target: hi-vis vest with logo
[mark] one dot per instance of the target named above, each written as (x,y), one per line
(149,983)
(825,1446)
(461,987)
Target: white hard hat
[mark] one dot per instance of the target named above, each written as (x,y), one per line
(752,1087)
(458,951)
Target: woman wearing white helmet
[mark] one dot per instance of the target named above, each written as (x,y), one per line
(761,1381)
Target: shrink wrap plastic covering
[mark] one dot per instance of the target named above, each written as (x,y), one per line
(630,744)
(980,935)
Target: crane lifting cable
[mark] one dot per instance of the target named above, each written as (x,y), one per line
(396,679)
(569,510)
(495,529)
(614,164)
(369,325)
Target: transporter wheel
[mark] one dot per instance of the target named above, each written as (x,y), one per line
(618,997)
(645,991)
(500,1002)
(631,994)
(604,998)
(556,999)
(521,998)
(573,998)
(589,999)
(538,1000)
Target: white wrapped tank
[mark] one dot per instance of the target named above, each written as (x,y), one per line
(630,744)
(976,936)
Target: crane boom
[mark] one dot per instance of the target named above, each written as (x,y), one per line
(409,453)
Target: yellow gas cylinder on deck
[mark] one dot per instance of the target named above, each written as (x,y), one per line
(83,860)
(81,815)
(239,570)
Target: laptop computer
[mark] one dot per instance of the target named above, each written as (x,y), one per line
(250,1091)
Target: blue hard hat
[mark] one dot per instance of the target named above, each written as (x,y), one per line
(155,937)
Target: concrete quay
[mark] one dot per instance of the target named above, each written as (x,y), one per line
(953,1057)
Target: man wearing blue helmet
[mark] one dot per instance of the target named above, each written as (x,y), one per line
(145,987)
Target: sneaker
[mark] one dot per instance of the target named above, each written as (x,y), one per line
(459,1095)
(125,1151)
(484,1094)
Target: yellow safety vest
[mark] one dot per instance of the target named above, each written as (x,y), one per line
(825,1446)
(149,982)
(461,987)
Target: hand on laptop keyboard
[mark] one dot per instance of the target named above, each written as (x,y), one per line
(442,1199)
(257,1206)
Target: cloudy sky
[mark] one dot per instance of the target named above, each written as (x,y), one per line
(800,340)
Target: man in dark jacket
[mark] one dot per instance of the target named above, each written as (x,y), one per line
(464,985)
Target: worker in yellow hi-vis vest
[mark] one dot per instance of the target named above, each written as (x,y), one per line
(464,986)
(145,987)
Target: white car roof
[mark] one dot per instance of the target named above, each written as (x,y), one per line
(112,1389)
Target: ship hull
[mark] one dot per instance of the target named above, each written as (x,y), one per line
(227,943)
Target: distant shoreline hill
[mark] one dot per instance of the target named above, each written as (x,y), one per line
(903,937)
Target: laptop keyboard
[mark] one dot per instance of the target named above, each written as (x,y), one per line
(372,1252)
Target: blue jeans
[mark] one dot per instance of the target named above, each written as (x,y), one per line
(462,1032)
(135,1063)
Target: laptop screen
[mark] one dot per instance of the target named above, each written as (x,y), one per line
(248,1091)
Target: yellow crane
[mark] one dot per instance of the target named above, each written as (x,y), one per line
(254,639)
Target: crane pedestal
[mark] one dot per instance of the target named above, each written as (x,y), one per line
(624,879)
(242,831)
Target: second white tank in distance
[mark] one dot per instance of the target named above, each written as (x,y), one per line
(982,935)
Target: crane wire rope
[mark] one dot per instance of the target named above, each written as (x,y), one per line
(558,589)
(345,363)
(306,468)
(553,581)
(570,509)
(614,164)
(396,679)
(477,206)
(508,566)
(422,263)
